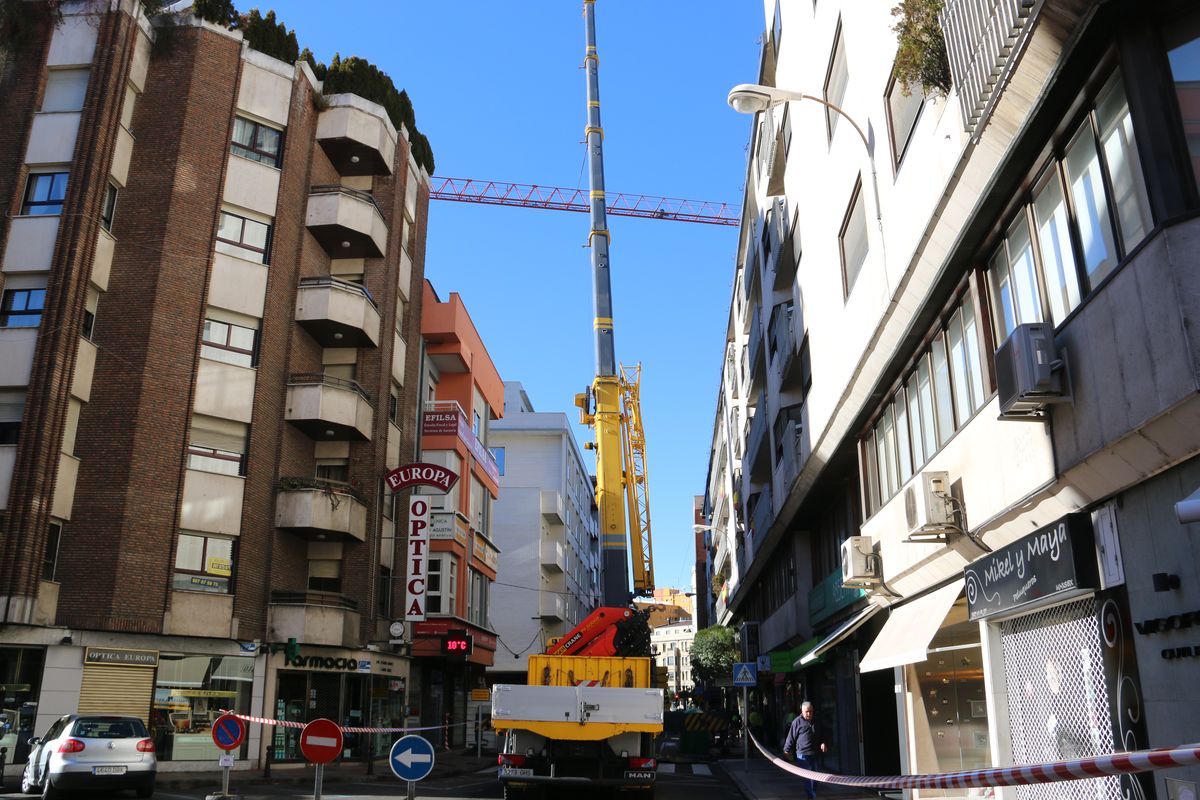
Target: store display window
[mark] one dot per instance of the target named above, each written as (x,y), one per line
(190,692)
(20,683)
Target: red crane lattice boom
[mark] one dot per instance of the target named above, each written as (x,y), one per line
(529,195)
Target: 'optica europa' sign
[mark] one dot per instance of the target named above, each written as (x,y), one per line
(421,474)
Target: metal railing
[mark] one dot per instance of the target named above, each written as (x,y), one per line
(321,379)
(338,283)
(983,40)
(327,599)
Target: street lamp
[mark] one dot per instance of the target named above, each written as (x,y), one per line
(751,98)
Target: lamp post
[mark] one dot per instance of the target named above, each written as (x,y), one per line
(751,98)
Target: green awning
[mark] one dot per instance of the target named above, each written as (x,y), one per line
(784,660)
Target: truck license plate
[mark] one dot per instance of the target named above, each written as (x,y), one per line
(516,772)
(108,770)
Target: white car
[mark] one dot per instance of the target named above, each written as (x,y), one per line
(91,752)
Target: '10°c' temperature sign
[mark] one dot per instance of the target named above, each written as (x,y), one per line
(457,643)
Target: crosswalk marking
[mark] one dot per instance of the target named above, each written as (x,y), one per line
(701,769)
(666,769)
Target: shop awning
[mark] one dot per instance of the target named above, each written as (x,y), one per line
(845,629)
(906,635)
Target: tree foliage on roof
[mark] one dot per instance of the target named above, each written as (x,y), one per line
(921,59)
(266,35)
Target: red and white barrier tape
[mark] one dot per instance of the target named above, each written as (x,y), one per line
(287,723)
(1019,775)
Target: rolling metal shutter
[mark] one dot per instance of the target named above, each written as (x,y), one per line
(117,689)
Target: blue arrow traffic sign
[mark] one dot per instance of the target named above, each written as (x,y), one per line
(411,758)
(745,673)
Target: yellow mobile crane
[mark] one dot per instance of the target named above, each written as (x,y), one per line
(588,715)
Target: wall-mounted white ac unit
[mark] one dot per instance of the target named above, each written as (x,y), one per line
(859,564)
(1030,373)
(926,509)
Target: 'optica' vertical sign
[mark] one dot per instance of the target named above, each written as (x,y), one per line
(409,476)
(418,554)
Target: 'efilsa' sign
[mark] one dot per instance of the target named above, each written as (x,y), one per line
(1053,560)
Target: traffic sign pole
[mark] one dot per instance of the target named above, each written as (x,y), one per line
(320,777)
(745,730)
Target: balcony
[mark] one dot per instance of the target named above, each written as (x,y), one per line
(984,39)
(552,507)
(791,455)
(346,222)
(320,510)
(337,313)
(356,135)
(754,354)
(761,517)
(554,556)
(758,451)
(319,618)
(551,606)
(785,346)
(329,409)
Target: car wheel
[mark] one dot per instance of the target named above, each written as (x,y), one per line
(27,784)
(48,790)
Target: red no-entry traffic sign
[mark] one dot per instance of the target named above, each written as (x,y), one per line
(321,741)
(228,732)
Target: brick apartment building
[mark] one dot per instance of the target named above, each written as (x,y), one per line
(199,391)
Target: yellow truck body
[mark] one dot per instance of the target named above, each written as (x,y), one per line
(617,673)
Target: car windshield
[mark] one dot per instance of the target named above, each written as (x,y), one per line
(109,728)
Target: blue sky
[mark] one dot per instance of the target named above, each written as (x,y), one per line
(498,89)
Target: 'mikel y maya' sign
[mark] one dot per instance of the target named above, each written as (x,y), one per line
(1050,563)
(408,476)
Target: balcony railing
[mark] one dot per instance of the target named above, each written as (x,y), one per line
(983,41)
(347,222)
(328,408)
(337,313)
(762,517)
(553,555)
(758,454)
(328,599)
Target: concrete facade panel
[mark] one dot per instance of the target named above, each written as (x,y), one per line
(8,458)
(73,43)
(52,140)
(238,285)
(225,390)
(85,368)
(249,184)
(102,263)
(122,155)
(31,243)
(19,345)
(265,94)
(212,503)
(64,487)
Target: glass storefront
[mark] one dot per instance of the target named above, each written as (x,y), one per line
(948,706)
(190,692)
(355,700)
(20,683)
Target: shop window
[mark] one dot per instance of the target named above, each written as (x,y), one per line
(203,563)
(189,694)
(21,677)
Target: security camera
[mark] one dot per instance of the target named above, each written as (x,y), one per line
(1188,509)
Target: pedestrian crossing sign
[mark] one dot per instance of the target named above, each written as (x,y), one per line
(745,673)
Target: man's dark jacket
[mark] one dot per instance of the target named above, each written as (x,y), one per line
(803,738)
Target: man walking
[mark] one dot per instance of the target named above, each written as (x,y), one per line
(805,741)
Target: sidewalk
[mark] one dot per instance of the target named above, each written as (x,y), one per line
(447,763)
(765,781)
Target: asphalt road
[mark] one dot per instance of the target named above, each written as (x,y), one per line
(675,782)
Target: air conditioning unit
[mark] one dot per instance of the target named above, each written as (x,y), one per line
(926,509)
(1030,373)
(859,564)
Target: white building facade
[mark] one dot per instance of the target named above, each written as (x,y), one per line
(963,336)
(546,525)
(671,646)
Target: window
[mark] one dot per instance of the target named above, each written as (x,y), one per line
(1182,40)
(65,90)
(384,594)
(324,575)
(217,445)
(109,209)
(394,406)
(441,584)
(334,470)
(22,308)
(44,193)
(853,240)
(788,425)
(203,563)
(904,109)
(244,238)
(400,315)
(477,600)
(941,393)
(256,141)
(50,559)
(1088,207)
(836,78)
(89,314)
(498,454)
(228,342)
